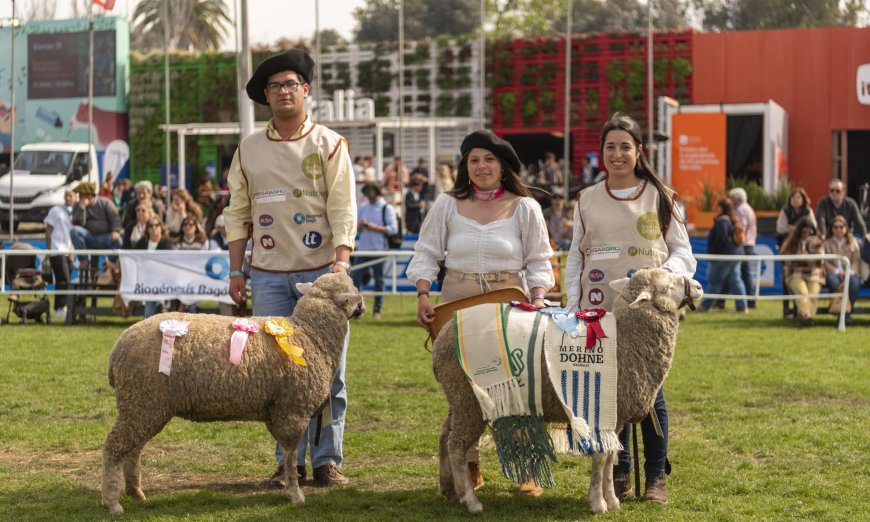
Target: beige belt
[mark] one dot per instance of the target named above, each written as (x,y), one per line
(491,276)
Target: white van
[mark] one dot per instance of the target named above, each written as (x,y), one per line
(42,172)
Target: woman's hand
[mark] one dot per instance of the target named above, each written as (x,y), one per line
(538,303)
(425,311)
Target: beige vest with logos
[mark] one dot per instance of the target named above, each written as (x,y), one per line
(620,235)
(288,195)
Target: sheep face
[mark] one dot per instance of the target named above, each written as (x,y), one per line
(339,287)
(663,290)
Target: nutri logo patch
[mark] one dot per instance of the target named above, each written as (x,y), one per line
(596,296)
(596,275)
(266,220)
(267,242)
(312,239)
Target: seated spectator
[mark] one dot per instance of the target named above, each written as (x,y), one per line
(181,206)
(143,190)
(218,240)
(725,238)
(156,238)
(123,194)
(804,277)
(798,206)
(204,193)
(192,235)
(840,241)
(135,231)
(96,223)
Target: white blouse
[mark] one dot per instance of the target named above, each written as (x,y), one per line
(506,245)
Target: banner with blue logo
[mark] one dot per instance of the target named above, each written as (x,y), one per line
(189,276)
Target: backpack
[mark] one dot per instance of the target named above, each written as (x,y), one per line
(394,241)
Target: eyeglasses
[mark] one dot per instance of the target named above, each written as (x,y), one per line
(835,191)
(289,86)
(188,224)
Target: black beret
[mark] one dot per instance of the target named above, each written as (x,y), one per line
(484,139)
(295,60)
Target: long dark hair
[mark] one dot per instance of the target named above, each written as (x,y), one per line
(726,208)
(643,169)
(792,242)
(510,180)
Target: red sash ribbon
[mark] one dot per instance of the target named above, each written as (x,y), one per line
(594,331)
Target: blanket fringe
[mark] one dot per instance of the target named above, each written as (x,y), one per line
(580,445)
(505,397)
(524,449)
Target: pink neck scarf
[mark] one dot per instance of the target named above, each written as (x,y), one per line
(486,194)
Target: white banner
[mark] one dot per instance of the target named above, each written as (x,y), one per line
(188,276)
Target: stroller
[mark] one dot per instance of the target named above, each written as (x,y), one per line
(22,273)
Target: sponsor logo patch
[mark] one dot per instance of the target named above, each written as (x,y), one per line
(603,252)
(267,242)
(312,239)
(596,296)
(300,218)
(648,226)
(310,193)
(596,275)
(266,220)
(646,251)
(270,196)
(311,166)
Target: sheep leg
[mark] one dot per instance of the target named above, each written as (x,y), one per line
(596,496)
(445,470)
(124,443)
(609,493)
(459,440)
(287,430)
(133,475)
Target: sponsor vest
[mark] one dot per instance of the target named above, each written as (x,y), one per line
(288,193)
(620,235)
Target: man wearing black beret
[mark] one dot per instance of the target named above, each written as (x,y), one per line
(292,192)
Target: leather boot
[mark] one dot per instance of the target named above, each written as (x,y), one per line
(475,477)
(530,489)
(656,490)
(622,485)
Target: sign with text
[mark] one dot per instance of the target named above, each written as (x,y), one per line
(189,276)
(57,65)
(698,148)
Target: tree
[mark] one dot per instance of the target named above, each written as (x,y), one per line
(329,38)
(194,24)
(735,15)
(378,20)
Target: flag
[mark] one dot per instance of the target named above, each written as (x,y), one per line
(105,4)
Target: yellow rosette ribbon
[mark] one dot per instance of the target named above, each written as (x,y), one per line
(282,330)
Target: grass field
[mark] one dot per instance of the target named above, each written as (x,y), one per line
(767,422)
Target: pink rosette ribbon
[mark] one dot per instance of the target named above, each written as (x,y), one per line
(594,331)
(242,328)
(171,328)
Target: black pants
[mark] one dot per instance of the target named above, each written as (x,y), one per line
(61,266)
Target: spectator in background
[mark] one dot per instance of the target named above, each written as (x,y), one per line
(96,223)
(58,224)
(837,203)
(218,240)
(161,193)
(551,174)
(798,206)
(557,224)
(421,169)
(840,241)
(204,192)
(137,229)
(725,238)
(221,183)
(106,191)
(144,192)
(444,180)
(415,206)
(156,238)
(123,193)
(192,235)
(181,206)
(396,176)
(377,220)
(804,277)
(587,172)
(746,215)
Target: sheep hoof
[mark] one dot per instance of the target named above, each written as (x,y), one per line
(473,505)
(136,494)
(115,509)
(613,503)
(296,497)
(598,508)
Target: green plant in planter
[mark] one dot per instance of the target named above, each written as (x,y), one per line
(636,80)
(507,101)
(682,68)
(709,197)
(758,199)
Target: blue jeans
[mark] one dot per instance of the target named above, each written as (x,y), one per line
(722,274)
(832,281)
(357,275)
(151,307)
(747,272)
(655,448)
(83,239)
(276,295)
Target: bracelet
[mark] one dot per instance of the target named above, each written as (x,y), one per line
(538,297)
(342,264)
(422,292)
(235,273)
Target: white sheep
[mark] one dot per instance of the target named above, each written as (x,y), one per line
(203,385)
(646,312)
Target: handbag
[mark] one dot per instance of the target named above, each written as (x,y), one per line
(837,303)
(394,241)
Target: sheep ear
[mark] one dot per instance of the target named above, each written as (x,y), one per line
(348,298)
(618,284)
(641,300)
(304,287)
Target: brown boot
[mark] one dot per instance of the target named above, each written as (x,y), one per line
(656,491)
(622,485)
(530,489)
(329,475)
(475,477)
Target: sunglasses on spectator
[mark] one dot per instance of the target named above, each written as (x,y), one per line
(188,224)
(839,226)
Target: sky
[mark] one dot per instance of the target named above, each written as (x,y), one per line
(268,21)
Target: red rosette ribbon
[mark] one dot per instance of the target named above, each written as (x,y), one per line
(594,331)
